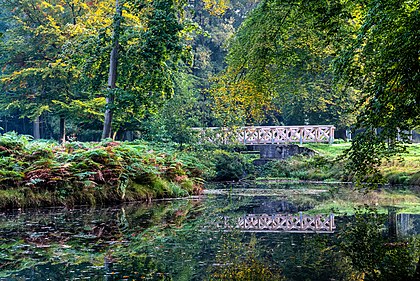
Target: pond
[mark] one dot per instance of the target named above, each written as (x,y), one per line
(232,232)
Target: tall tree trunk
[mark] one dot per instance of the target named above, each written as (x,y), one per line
(36,129)
(112,76)
(62,129)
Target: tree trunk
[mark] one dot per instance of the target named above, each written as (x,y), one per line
(36,129)
(62,129)
(112,76)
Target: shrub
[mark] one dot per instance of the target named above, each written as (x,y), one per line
(397,178)
(231,166)
(415,179)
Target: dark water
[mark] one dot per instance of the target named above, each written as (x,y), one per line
(178,240)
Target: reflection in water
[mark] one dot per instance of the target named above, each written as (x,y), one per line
(165,241)
(300,223)
(374,255)
(408,224)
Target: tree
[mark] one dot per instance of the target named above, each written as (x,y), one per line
(112,76)
(383,63)
(34,73)
(279,61)
(150,45)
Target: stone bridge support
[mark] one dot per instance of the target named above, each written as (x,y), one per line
(270,152)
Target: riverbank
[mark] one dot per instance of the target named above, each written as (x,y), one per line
(43,173)
(329,166)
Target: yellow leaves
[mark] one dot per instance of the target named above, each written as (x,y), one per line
(411,6)
(240,102)
(356,16)
(131,17)
(96,16)
(86,109)
(216,7)
(357,276)
(48,7)
(45,5)
(41,109)
(58,63)
(75,30)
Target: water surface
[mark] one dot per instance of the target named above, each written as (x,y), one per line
(179,239)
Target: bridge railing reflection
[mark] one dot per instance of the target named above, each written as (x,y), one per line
(301,223)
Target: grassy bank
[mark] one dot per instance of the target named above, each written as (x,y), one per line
(328,165)
(39,173)
(44,173)
(402,169)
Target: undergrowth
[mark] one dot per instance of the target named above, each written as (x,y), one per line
(43,173)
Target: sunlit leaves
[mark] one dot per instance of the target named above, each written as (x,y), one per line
(383,64)
(216,7)
(236,103)
(284,49)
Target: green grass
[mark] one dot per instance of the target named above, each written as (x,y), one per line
(329,150)
(327,166)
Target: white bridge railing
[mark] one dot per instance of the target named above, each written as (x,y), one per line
(280,223)
(268,134)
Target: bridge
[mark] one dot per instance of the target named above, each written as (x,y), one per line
(263,135)
(299,223)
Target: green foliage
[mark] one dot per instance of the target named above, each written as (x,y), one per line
(398,178)
(92,173)
(279,66)
(329,165)
(237,262)
(175,118)
(372,254)
(231,166)
(33,72)
(55,58)
(318,168)
(415,179)
(382,63)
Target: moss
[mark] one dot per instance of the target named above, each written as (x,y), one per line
(11,198)
(138,190)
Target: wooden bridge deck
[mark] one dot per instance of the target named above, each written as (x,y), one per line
(280,223)
(268,134)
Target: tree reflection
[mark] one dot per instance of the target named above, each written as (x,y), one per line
(170,241)
(375,254)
